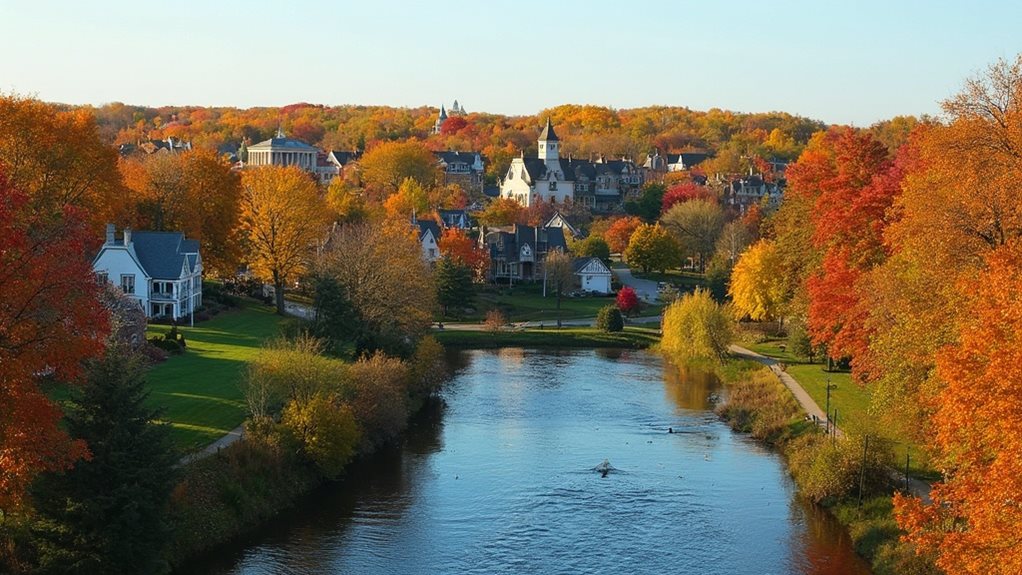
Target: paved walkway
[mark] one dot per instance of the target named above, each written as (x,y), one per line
(916,487)
(232,436)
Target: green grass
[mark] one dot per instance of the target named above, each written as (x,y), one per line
(851,400)
(525,302)
(199,391)
(631,337)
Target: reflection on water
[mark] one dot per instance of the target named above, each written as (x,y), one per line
(499,479)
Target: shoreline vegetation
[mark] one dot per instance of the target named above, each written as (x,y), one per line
(849,478)
(573,337)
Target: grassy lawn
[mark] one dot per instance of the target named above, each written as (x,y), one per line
(631,337)
(851,400)
(525,302)
(199,391)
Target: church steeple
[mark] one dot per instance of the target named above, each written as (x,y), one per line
(548,144)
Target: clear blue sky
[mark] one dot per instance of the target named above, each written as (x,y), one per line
(848,62)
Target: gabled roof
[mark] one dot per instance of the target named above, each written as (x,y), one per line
(455,219)
(343,158)
(457,157)
(580,264)
(428,226)
(507,244)
(162,254)
(688,159)
(548,133)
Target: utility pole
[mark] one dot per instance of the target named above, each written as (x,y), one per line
(862,470)
(828,405)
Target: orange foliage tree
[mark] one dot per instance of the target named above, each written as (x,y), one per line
(975,520)
(620,232)
(455,244)
(50,321)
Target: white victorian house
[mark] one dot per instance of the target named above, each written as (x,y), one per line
(429,239)
(593,275)
(161,270)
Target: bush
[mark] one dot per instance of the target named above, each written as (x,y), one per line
(154,354)
(628,301)
(167,345)
(326,431)
(759,404)
(380,386)
(495,320)
(609,319)
(696,328)
(828,470)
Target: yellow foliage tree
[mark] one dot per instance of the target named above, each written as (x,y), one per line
(696,327)
(757,286)
(284,218)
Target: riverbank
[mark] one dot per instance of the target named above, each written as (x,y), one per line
(840,474)
(569,337)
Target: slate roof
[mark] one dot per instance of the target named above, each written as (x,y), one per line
(507,245)
(343,158)
(580,263)
(548,132)
(162,254)
(449,158)
(574,170)
(286,143)
(688,159)
(455,219)
(428,225)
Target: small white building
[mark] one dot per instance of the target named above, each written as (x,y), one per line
(429,239)
(593,275)
(160,270)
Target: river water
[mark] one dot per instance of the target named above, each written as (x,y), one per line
(499,479)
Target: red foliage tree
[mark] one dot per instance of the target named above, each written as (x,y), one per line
(620,232)
(627,300)
(453,125)
(684,192)
(50,321)
(455,244)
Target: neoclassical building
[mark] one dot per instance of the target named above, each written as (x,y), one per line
(600,184)
(283,151)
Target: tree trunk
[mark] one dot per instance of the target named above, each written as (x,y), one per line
(278,293)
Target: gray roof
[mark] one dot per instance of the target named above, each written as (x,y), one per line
(506,245)
(455,218)
(162,254)
(449,158)
(548,132)
(580,263)
(343,158)
(429,225)
(283,143)
(688,159)
(574,170)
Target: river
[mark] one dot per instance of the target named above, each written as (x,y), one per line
(498,478)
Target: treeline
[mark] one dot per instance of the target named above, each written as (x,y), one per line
(587,130)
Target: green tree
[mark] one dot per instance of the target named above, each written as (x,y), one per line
(696,327)
(591,247)
(697,225)
(453,284)
(336,318)
(609,319)
(652,248)
(560,274)
(106,515)
(649,203)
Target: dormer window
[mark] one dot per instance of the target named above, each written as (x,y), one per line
(553,186)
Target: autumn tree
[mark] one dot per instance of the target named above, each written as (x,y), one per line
(386,165)
(757,290)
(620,233)
(697,225)
(696,327)
(559,273)
(56,158)
(284,219)
(627,301)
(652,248)
(50,322)
(972,523)
(501,212)
(387,281)
(648,205)
(683,192)
(456,245)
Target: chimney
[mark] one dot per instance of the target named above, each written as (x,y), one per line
(110,230)
(127,237)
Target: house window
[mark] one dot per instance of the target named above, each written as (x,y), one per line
(553,186)
(102,277)
(128,283)
(432,252)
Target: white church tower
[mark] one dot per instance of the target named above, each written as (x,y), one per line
(548,147)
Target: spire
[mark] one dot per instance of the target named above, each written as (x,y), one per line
(280,131)
(548,132)
(443,112)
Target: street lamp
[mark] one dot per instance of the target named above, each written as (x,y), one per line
(830,386)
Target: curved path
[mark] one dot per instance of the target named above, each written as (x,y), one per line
(645,289)
(916,487)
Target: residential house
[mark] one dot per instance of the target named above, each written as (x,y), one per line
(457,219)
(601,185)
(162,271)
(558,221)
(593,274)
(753,189)
(465,169)
(429,239)
(517,253)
